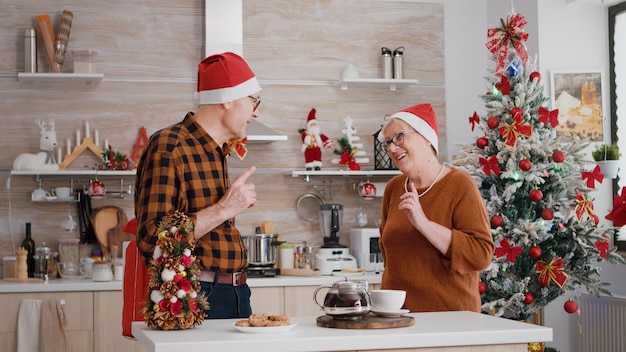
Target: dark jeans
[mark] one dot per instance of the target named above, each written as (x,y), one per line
(226,301)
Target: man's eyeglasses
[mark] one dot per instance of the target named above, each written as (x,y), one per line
(257,102)
(398,139)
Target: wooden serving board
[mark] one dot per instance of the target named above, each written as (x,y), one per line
(370,321)
(28,279)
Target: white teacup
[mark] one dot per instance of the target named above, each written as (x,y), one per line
(387,300)
(40,194)
(62,192)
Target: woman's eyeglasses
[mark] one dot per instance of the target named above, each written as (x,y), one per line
(398,140)
(257,102)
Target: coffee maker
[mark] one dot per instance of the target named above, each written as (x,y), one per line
(332,256)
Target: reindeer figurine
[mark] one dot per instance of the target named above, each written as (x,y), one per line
(44,160)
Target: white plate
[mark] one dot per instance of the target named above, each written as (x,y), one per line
(387,314)
(265,329)
(347,273)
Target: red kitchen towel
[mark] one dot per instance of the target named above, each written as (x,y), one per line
(135,289)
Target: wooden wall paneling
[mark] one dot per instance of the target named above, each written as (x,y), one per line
(149,51)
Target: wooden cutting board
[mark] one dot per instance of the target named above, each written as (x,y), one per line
(105,219)
(370,321)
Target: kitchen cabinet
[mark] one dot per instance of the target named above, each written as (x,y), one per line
(79,332)
(107,325)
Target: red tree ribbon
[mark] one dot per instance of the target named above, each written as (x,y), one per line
(510,34)
(510,131)
(551,271)
(504,86)
(474,119)
(510,252)
(592,176)
(239,145)
(490,165)
(618,214)
(583,205)
(546,115)
(603,246)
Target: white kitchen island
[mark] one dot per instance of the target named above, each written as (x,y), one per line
(441,331)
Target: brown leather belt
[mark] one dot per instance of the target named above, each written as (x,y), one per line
(235,279)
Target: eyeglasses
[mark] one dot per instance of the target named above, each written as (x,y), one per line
(398,140)
(257,102)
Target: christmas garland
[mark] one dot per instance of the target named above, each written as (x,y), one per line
(174,300)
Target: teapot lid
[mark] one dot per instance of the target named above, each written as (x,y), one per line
(43,248)
(348,285)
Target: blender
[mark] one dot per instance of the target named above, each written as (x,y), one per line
(332,256)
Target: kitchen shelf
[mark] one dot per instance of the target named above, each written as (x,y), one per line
(70,172)
(369,173)
(393,84)
(82,79)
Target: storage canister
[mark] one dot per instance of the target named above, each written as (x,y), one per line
(398,55)
(286,255)
(102,271)
(387,63)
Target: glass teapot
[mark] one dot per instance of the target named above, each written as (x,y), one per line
(346,300)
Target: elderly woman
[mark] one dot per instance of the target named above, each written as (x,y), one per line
(435,235)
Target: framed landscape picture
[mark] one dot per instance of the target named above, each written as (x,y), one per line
(578,96)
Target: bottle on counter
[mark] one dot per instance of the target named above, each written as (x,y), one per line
(29,244)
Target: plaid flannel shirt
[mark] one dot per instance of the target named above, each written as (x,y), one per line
(182,168)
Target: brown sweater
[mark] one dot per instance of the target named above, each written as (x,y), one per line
(433,281)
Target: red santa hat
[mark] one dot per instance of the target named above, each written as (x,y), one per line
(422,119)
(311,117)
(225,77)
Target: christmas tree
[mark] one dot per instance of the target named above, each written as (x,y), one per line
(538,195)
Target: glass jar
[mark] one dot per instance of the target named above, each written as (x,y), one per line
(102,271)
(300,257)
(68,250)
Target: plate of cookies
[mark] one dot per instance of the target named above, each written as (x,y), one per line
(264,323)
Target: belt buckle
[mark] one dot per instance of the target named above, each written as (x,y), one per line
(236,278)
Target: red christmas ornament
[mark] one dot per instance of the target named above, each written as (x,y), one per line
(528,298)
(535,252)
(493,122)
(516,111)
(482,287)
(535,195)
(547,214)
(482,142)
(525,164)
(496,221)
(596,219)
(558,156)
(570,306)
(536,75)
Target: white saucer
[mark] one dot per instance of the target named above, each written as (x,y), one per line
(389,314)
(265,329)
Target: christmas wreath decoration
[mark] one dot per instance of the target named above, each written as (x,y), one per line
(174,301)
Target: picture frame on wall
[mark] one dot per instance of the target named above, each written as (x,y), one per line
(577,94)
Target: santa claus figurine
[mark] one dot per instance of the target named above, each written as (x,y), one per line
(313,140)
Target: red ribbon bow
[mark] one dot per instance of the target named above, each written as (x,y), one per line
(509,34)
(618,214)
(602,246)
(546,115)
(583,205)
(490,165)
(240,147)
(510,131)
(551,271)
(504,86)
(510,252)
(593,176)
(474,119)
